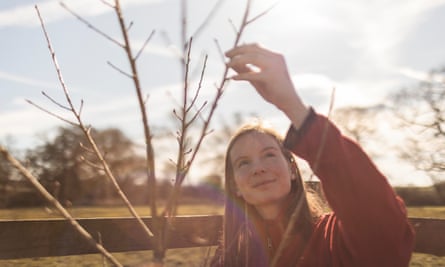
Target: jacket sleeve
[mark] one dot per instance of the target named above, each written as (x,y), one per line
(372,220)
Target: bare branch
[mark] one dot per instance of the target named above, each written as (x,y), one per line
(34,181)
(91,164)
(91,26)
(55,102)
(234,28)
(119,70)
(129,26)
(147,96)
(182,171)
(325,131)
(52,113)
(87,149)
(56,64)
(87,133)
(287,235)
(208,18)
(197,114)
(144,45)
(147,132)
(220,51)
(107,4)
(263,13)
(81,107)
(201,79)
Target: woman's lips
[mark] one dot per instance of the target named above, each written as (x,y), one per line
(262,183)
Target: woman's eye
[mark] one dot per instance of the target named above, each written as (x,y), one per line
(242,163)
(270,155)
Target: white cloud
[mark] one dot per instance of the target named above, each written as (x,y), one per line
(25,122)
(379,27)
(27,81)
(421,75)
(26,16)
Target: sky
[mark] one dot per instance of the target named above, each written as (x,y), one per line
(366,50)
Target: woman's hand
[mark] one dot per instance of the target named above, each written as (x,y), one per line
(267,72)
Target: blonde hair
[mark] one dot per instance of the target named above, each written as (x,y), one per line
(238,242)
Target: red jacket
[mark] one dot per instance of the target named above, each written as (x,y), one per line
(368,225)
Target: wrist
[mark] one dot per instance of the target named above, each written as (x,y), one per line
(297,114)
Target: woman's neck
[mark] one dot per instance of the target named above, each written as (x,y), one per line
(274,211)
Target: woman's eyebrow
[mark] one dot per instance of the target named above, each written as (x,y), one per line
(269,148)
(238,159)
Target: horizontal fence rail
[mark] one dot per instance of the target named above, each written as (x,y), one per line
(56,237)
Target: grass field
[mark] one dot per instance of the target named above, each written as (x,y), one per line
(175,257)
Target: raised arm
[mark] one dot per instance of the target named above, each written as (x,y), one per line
(373,220)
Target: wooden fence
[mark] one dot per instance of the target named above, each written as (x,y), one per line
(56,237)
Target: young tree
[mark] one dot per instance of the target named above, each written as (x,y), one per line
(188,113)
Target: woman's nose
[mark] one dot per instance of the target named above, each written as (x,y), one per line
(258,167)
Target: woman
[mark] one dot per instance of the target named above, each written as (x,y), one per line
(266,201)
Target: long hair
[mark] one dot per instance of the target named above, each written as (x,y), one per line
(240,245)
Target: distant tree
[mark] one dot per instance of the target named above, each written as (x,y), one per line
(65,163)
(356,122)
(422,112)
(360,124)
(5,170)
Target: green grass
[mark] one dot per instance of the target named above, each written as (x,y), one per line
(175,257)
(427,212)
(193,257)
(103,212)
(426,260)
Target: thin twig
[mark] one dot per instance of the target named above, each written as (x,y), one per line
(87,149)
(129,26)
(197,114)
(182,171)
(220,51)
(201,79)
(81,107)
(263,13)
(151,176)
(107,4)
(208,18)
(87,133)
(325,133)
(91,164)
(52,113)
(287,234)
(119,70)
(55,102)
(35,182)
(91,26)
(144,45)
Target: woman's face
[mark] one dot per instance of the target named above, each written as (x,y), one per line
(261,172)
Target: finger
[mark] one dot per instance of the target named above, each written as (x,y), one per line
(241,68)
(242,49)
(254,60)
(252,77)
